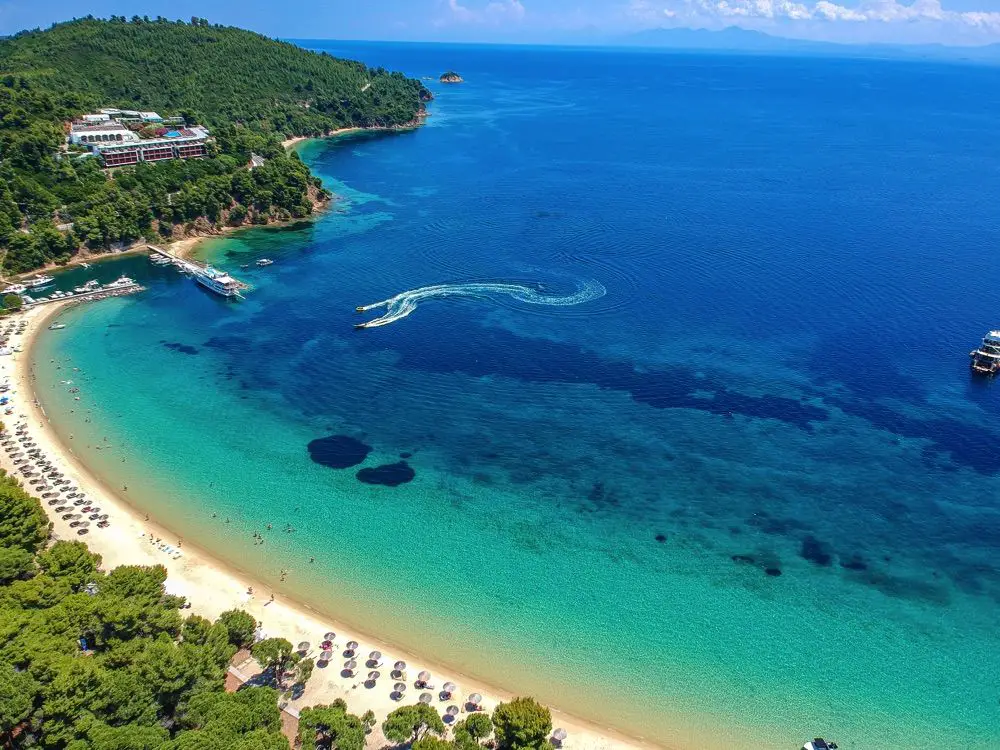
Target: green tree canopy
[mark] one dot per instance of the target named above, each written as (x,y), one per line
(330,728)
(239,625)
(410,723)
(522,724)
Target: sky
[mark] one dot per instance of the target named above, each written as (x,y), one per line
(552,21)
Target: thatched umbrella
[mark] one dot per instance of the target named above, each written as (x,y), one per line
(426,699)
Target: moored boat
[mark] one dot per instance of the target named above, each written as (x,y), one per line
(219,282)
(15,289)
(264,262)
(38,281)
(986,359)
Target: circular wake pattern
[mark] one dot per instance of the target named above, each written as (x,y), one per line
(403,304)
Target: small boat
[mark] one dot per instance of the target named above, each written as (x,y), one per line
(15,289)
(264,262)
(819,744)
(986,359)
(57,326)
(85,265)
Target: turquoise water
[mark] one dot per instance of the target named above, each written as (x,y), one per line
(743,490)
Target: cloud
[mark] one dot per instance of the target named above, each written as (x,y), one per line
(494,12)
(868,11)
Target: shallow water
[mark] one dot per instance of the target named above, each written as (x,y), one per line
(747,495)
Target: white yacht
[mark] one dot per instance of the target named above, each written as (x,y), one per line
(121,281)
(15,289)
(264,262)
(219,282)
(38,281)
(986,359)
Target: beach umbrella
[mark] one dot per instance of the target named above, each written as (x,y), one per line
(375,655)
(330,636)
(373,675)
(426,698)
(559,735)
(450,687)
(475,699)
(76,517)
(399,666)
(326,656)
(351,645)
(304,646)
(424,676)
(350,664)
(399,687)
(84,524)
(452,710)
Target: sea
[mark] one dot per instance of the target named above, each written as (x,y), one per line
(666,417)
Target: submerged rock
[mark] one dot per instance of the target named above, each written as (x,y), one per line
(815,551)
(338,451)
(391,475)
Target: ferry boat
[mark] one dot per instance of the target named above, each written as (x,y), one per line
(218,282)
(264,262)
(986,359)
(15,289)
(38,281)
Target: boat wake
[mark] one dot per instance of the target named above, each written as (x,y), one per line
(398,307)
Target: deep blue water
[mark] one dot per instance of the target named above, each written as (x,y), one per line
(748,495)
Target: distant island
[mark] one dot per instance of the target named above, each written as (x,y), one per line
(124,130)
(451,77)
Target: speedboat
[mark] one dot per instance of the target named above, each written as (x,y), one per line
(57,326)
(264,262)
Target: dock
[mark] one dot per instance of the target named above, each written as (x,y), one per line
(216,281)
(101,292)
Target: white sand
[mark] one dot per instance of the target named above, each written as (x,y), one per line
(212,587)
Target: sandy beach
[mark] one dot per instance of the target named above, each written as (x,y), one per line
(211,587)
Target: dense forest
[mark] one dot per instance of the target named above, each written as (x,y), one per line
(94,660)
(250,90)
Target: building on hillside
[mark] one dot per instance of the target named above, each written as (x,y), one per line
(92,133)
(110,135)
(256,160)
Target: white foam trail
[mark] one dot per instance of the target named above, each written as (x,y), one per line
(403,304)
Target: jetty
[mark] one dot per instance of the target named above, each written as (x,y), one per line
(117,288)
(212,279)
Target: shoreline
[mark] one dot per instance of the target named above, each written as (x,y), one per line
(213,586)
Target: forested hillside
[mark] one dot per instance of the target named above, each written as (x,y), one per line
(251,91)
